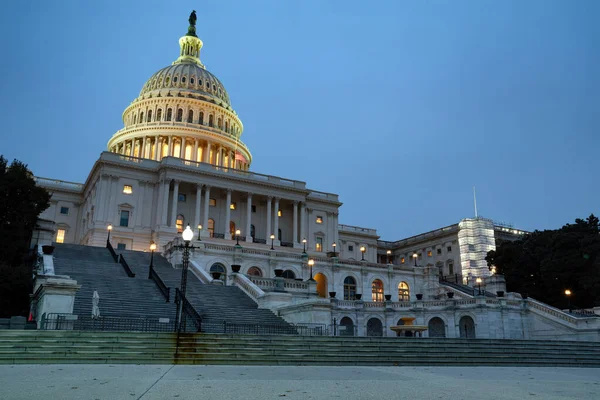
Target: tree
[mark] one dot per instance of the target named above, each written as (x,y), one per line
(544,264)
(21,201)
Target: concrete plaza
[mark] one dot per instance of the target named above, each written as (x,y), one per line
(147,382)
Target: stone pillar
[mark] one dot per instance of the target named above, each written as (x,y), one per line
(174,204)
(303,221)
(157,148)
(276,222)
(219,157)
(206,207)
(195,155)
(206,155)
(268,230)
(197,210)
(170,151)
(182,148)
(248,218)
(143,151)
(54,294)
(132,149)
(227,215)
(295,224)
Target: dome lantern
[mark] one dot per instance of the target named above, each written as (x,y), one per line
(190,45)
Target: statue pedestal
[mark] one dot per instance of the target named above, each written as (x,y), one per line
(53,294)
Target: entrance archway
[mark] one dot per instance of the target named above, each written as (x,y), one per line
(374,327)
(321,284)
(466,326)
(346,327)
(436,328)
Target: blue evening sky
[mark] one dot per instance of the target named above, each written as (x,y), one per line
(400,107)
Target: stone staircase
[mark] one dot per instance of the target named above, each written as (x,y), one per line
(71,347)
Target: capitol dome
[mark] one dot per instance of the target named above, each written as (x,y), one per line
(183,111)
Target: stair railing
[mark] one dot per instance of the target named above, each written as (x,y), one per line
(187,311)
(125,266)
(164,289)
(112,251)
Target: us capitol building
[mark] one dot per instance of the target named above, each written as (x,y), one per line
(179,160)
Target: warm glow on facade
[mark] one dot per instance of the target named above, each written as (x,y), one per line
(127,189)
(60,236)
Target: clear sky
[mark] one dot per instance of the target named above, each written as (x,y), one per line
(400,107)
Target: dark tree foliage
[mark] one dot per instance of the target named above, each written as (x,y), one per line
(545,263)
(21,201)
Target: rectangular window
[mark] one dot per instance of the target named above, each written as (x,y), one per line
(64,210)
(319,244)
(212,202)
(439,251)
(319,219)
(402,260)
(233,206)
(350,248)
(429,253)
(279,213)
(179,224)
(127,189)
(121,246)
(60,236)
(124,218)
(449,248)
(181,197)
(253,209)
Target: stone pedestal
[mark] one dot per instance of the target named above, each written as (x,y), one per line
(53,294)
(495,283)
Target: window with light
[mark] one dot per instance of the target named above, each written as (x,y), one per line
(127,189)
(349,288)
(377,290)
(403,292)
(60,236)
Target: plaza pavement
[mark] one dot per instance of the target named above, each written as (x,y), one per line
(147,382)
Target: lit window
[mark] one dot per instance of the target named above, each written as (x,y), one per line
(64,210)
(403,292)
(233,206)
(179,223)
(211,227)
(127,189)
(279,213)
(124,218)
(402,260)
(439,251)
(449,248)
(254,271)
(429,253)
(60,236)
(319,219)
(181,197)
(377,290)
(350,247)
(319,244)
(212,202)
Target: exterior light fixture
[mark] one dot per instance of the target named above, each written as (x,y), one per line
(199,230)
(311,262)
(389,253)
(152,248)
(363,249)
(568,294)
(415,258)
(304,244)
(237,237)
(334,245)
(272,240)
(478,280)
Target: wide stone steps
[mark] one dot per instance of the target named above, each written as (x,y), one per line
(161,348)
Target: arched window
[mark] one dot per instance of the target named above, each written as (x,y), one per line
(252,231)
(211,227)
(149,116)
(377,290)
(219,123)
(403,292)
(141,117)
(201,118)
(346,327)
(211,121)
(179,223)
(349,288)
(190,116)
(158,114)
(134,118)
(226,126)
(179,115)
(218,267)
(232,228)
(169,114)
(289,274)
(183,79)
(255,271)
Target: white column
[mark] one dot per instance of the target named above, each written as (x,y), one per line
(182,148)
(206,155)
(132,149)
(227,215)
(303,221)
(206,206)
(143,150)
(276,221)
(248,218)
(197,210)
(268,230)
(195,155)
(165,202)
(170,151)
(174,204)
(295,224)
(139,206)
(157,148)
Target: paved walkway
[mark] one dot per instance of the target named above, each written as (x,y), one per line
(116,382)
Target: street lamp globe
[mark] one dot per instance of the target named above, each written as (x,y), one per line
(187,234)
(153,246)
(109,227)
(567,292)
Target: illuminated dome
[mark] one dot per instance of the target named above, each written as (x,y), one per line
(183,111)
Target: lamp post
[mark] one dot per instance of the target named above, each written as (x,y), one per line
(152,248)
(199,232)
(389,253)
(334,245)
(237,237)
(478,280)
(568,294)
(363,249)
(415,258)
(304,245)
(109,228)
(187,235)
(272,240)
(311,262)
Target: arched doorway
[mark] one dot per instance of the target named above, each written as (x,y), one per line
(218,267)
(466,326)
(346,327)
(436,328)
(321,284)
(374,327)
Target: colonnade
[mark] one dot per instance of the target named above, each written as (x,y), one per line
(188,148)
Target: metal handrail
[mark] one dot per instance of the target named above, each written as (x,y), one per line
(164,289)
(125,266)
(112,251)
(188,310)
